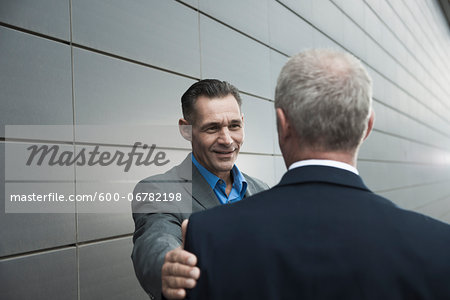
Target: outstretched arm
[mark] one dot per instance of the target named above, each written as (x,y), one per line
(155,235)
(160,263)
(179,271)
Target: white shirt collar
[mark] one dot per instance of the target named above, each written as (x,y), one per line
(324,162)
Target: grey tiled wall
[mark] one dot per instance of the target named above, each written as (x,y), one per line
(113,62)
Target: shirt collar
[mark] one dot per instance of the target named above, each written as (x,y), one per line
(324,162)
(238,179)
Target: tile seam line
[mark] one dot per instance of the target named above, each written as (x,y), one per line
(432,13)
(411,118)
(411,186)
(423,49)
(398,162)
(409,139)
(130,60)
(437,50)
(414,37)
(177,73)
(38,251)
(64,247)
(432,202)
(393,57)
(390,55)
(195,78)
(34,33)
(417,42)
(72,74)
(369,65)
(81,143)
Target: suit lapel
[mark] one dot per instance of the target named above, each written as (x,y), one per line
(251,188)
(201,191)
(325,174)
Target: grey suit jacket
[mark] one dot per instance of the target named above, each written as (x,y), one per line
(157,233)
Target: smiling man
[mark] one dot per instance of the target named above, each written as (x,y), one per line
(217,136)
(212,108)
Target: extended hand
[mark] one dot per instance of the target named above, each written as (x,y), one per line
(179,271)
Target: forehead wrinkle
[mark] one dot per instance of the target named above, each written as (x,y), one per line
(217,110)
(221,118)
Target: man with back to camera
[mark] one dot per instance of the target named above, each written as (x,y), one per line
(320,233)
(213,109)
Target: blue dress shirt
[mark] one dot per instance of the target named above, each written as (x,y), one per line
(218,185)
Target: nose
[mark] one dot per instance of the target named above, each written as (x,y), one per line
(225,137)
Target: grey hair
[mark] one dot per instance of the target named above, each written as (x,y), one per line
(327,95)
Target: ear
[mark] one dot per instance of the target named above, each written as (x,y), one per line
(283,126)
(185,129)
(369,124)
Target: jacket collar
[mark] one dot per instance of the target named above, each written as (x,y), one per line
(251,187)
(185,169)
(325,174)
(201,191)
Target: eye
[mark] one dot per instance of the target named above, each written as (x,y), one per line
(235,126)
(212,129)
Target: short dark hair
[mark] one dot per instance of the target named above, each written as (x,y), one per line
(210,88)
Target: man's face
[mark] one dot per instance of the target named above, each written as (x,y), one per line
(217,133)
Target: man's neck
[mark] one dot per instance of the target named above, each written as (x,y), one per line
(341,156)
(228,179)
(226,176)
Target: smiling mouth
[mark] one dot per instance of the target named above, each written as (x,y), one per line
(224,152)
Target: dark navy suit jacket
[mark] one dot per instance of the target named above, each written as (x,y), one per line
(319,234)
